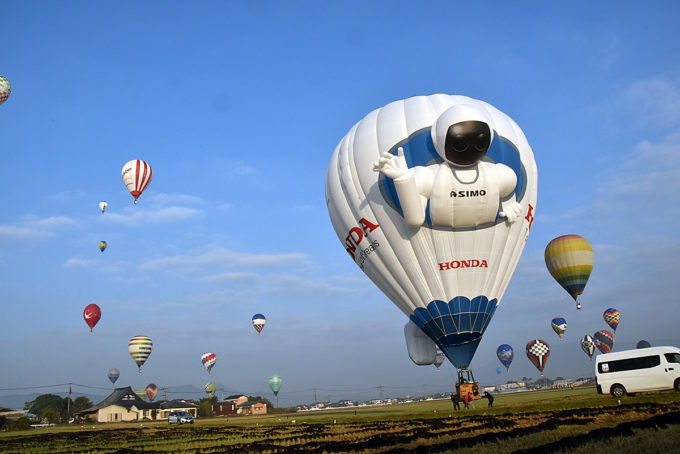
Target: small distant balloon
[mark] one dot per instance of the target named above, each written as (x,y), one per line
(505,354)
(259,322)
(538,353)
(604,341)
(208,359)
(102,246)
(588,345)
(210,388)
(499,370)
(559,325)
(140,349)
(569,259)
(275,384)
(439,359)
(136,176)
(92,314)
(612,317)
(5,89)
(151,391)
(643,344)
(103,206)
(113,375)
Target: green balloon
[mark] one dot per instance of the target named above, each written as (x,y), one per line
(275,384)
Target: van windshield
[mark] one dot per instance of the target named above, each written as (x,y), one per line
(672,357)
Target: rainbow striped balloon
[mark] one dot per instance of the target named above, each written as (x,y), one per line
(140,349)
(569,259)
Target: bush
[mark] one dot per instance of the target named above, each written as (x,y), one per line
(22,423)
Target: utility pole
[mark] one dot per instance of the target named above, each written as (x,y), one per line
(380,388)
(315,401)
(68,404)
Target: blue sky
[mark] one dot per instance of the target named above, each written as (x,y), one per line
(237,106)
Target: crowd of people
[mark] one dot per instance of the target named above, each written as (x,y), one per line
(467,399)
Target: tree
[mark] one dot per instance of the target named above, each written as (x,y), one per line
(205,407)
(81,403)
(50,415)
(44,401)
(22,423)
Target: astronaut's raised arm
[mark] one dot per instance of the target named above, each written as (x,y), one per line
(414,189)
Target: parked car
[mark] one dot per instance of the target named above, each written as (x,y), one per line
(639,370)
(180,417)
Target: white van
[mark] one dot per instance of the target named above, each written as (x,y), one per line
(642,369)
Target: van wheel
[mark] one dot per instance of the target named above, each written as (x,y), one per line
(676,385)
(618,390)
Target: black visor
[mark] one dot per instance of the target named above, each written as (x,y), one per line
(467,142)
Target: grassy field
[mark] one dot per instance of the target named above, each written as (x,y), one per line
(574,421)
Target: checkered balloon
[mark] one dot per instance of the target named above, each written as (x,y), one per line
(588,346)
(5,89)
(612,317)
(538,353)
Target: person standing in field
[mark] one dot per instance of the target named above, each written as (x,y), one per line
(455,398)
(490,397)
(466,401)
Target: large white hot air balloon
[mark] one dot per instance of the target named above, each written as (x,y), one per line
(433,197)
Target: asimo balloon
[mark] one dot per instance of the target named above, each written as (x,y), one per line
(433,197)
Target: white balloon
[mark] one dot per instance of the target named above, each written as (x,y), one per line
(136,176)
(421,349)
(103,206)
(441,239)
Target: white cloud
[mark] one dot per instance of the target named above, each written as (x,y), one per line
(233,276)
(655,101)
(132,217)
(35,228)
(165,199)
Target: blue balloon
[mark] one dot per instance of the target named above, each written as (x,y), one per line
(499,370)
(505,354)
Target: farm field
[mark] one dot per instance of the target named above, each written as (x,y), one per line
(574,421)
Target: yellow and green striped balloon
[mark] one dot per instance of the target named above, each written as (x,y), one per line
(140,349)
(569,259)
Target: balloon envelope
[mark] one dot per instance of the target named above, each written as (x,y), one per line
(208,360)
(538,353)
(113,374)
(559,325)
(588,345)
(103,206)
(140,349)
(612,317)
(643,344)
(446,272)
(259,322)
(136,176)
(102,245)
(92,314)
(499,370)
(569,259)
(151,391)
(275,384)
(5,89)
(210,388)
(604,341)
(505,354)
(439,359)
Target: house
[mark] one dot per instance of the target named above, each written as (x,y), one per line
(124,405)
(252,408)
(224,408)
(237,399)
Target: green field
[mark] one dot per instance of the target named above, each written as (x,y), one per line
(574,421)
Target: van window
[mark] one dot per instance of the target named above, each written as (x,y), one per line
(672,357)
(643,362)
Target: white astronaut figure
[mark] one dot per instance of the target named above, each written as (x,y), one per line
(464,191)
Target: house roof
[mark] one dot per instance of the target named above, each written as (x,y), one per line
(123,397)
(250,403)
(177,403)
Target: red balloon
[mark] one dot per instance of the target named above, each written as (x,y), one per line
(151,391)
(538,353)
(92,314)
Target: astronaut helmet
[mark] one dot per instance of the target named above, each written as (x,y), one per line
(462,134)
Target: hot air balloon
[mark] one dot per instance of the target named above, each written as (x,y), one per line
(588,346)
(5,89)
(103,206)
(569,259)
(259,322)
(538,353)
(612,317)
(275,385)
(435,227)
(113,375)
(140,349)
(210,388)
(208,360)
(151,391)
(604,341)
(136,176)
(559,325)
(439,359)
(92,314)
(643,344)
(102,245)
(505,354)
(499,370)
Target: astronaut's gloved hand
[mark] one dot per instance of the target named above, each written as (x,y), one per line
(393,166)
(511,212)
